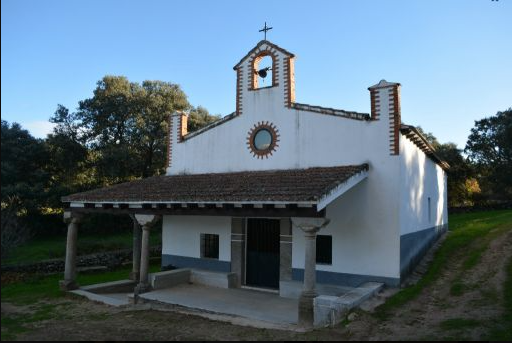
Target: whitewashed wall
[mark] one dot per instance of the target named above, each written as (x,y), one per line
(364,243)
(306,140)
(181,235)
(366,222)
(421,178)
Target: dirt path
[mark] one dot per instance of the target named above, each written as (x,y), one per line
(438,314)
(435,314)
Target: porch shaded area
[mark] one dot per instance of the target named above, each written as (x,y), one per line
(294,198)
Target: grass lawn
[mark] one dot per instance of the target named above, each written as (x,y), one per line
(469,236)
(33,292)
(55,247)
(47,287)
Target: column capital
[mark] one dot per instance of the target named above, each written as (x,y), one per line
(310,225)
(147,220)
(72,217)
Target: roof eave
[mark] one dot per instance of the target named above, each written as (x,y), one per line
(340,189)
(429,150)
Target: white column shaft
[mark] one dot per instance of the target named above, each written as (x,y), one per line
(71,249)
(310,263)
(144,258)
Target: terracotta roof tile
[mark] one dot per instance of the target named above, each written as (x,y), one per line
(291,185)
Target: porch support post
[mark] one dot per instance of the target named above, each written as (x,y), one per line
(285,250)
(238,249)
(147,221)
(310,226)
(69,282)
(137,239)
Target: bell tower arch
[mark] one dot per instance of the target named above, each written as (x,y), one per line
(261,70)
(278,70)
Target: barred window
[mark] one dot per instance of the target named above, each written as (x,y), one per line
(209,245)
(323,249)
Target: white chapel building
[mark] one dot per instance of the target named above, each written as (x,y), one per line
(281,193)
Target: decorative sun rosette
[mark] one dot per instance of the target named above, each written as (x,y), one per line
(262,139)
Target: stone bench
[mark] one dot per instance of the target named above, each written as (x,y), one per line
(213,279)
(176,277)
(169,278)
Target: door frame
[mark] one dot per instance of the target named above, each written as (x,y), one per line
(246,225)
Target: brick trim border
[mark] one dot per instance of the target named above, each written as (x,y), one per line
(394,119)
(181,130)
(169,141)
(270,127)
(375,104)
(182,127)
(239,91)
(253,65)
(289,82)
(262,42)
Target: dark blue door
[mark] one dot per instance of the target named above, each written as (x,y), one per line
(262,252)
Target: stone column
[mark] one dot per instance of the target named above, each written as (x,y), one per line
(137,237)
(285,250)
(147,221)
(310,226)
(238,249)
(69,282)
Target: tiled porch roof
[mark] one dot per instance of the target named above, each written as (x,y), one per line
(275,186)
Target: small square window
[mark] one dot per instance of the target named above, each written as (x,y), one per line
(209,246)
(323,249)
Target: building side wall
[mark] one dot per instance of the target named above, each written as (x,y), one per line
(365,238)
(181,241)
(421,179)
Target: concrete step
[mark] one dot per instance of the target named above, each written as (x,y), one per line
(330,310)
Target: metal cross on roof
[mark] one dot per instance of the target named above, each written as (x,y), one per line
(265,29)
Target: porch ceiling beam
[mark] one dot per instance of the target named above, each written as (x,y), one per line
(228,210)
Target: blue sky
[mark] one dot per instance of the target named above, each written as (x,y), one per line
(452,57)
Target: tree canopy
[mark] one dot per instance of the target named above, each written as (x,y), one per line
(489,148)
(124,125)
(118,134)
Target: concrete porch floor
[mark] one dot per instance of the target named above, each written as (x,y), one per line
(209,294)
(251,304)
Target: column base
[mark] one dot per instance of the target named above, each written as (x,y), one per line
(306,309)
(134,276)
(142,288)
(68,285)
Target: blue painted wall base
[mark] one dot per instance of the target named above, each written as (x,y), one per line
(414,245)
(344,279)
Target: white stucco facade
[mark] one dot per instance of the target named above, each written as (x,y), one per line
(366,222)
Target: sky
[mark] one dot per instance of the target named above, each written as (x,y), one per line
(453,58)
